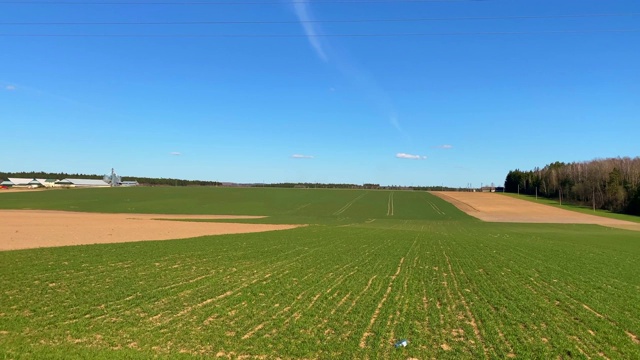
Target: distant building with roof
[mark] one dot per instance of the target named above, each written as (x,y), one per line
(49,183)
(129,183)
(109,180)
(21,182)
(81,183)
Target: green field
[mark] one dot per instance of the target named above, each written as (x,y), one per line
(373,267)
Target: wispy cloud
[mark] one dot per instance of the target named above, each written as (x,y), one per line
(36,92)
(303,12)
(348,67)
(175,153)
(445,147)
(394,121)
(300,156)
(410,156)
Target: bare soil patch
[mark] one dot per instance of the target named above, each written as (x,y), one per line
(494,207)
(15,190)
(25,229)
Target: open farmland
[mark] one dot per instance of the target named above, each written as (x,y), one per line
(372,267)
(498,208)
(27,229)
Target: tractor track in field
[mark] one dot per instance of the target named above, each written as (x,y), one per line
(434,206)
(348,205)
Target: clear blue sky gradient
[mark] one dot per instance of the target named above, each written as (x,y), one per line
(464,101)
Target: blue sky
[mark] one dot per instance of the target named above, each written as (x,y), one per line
(478,88)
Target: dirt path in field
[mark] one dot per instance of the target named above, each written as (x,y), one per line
(494,207)
(25,229)
(15,190)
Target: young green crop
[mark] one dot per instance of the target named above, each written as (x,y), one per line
(348,287)
(298,206)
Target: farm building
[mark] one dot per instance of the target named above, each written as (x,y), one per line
(51,183)
(21,182)
(81,183)
(129,183)
(488,189)
(47,182)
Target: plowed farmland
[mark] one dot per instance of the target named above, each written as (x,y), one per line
(498,208)
(26,229)
(371,268)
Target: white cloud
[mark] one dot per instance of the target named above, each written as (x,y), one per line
(445,146)
(303,13)
(410,156)
(300,156)
(10,87)
(175,153)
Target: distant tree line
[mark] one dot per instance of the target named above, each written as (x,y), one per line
(612,184)
(438,188)
(309,185)
(142,180)
(354,186)
(172,182)
(46,175)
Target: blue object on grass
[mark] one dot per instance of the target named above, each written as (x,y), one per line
(402,343)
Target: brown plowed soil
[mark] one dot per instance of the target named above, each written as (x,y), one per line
(24,229)
(493,207)
(15,190)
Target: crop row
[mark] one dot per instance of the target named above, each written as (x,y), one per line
(453,289)
(315,206)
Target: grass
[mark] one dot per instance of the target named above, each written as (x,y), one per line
(347,287)
(573,207)
(297,206)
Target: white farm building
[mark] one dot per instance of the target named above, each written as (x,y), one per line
(32,183)
(81,183)
(51,183)
(21,182)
